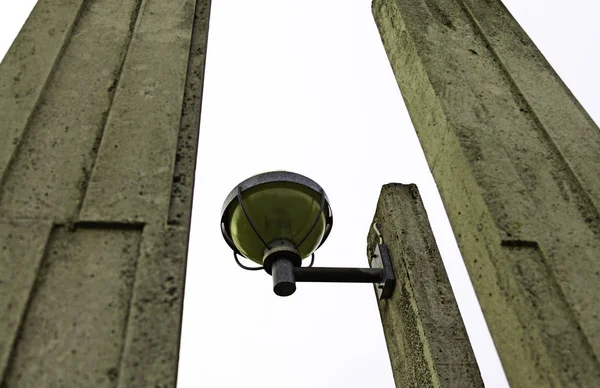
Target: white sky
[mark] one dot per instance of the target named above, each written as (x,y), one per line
(306,86)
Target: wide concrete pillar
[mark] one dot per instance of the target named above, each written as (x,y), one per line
(425,335)
(100,105)
(517,161)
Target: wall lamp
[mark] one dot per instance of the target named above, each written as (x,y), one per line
(278,219)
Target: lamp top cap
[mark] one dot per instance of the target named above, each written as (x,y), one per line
(270,177)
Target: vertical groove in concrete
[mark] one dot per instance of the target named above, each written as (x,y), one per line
(56,163)
(22,247)
(28,65)
(99,267)
(425,334)
(187,142)
(99,98)
(531,79)
(116,77)
(516,160)
(131,180)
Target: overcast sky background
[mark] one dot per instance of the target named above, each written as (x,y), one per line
(306,86)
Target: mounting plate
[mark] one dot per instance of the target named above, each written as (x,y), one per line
(381,259)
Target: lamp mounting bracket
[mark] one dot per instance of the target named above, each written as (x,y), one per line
(381,259)
(286,272)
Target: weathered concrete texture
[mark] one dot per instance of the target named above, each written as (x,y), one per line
(100,105)
(425,335)
(516,160)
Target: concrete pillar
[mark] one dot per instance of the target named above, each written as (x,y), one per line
(100,105)
(517,161)
(425,335)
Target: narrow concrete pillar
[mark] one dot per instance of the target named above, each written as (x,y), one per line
(100,105)
(517,161)
(425,335)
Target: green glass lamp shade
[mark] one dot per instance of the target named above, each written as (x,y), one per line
(281,206)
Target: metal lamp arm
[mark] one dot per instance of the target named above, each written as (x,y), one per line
(338,275)
(285,274)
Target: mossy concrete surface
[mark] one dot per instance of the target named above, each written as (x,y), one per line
(426,338)
(100,105)
(516,160)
